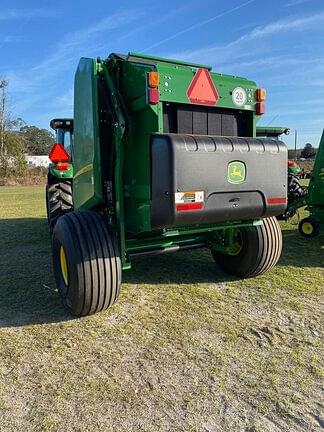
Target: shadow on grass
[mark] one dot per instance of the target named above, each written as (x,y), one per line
(27,289)
(27,294)
(198,266)
(301,252)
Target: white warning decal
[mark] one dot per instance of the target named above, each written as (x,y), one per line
(189,197)
(239,96)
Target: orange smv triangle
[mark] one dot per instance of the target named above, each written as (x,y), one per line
(58,154)
(202,90)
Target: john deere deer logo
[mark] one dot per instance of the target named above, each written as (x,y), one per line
(236,172)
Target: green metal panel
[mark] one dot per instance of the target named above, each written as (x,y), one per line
(67,174)
(175,80)
(271,131)
(116,107)
(316,185)
(87,184)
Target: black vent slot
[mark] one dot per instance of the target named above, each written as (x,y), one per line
(201,120)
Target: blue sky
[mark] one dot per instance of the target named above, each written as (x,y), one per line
(278,43)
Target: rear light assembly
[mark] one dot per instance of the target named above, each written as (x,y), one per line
(62,166)
(153,81)
(260,108)
(153,96)
(260,96)
(58,154)
(60,157)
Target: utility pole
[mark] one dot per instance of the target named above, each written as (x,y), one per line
(295,144)
(3,85)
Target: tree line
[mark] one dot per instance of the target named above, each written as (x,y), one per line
(308,152)
(17,138)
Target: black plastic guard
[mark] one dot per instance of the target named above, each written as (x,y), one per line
(198,163)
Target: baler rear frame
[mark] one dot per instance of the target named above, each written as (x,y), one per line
(117,125)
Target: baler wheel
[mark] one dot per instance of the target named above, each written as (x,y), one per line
(309,227)
(260,250)
(59,199)
(86,262)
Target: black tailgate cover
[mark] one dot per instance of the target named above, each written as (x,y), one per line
(198,179)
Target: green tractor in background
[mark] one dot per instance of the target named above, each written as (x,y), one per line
(311,197)
(59,200)
(311,226)
(296,192)
(165,159)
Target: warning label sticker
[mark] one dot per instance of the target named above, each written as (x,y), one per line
(189,197)
(239,96)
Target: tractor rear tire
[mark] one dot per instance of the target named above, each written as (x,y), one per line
(86,262)
(59,200)
(259,251)
(309,227)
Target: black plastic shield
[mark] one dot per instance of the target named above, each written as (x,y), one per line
(241,179)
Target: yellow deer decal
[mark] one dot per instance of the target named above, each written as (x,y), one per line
(237,173)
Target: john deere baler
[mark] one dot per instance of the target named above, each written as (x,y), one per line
(165,158)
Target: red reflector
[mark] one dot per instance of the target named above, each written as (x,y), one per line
(260,108)
(58,154)
(189,206)
(62,166)
(277,200)
(202,89)
(153,96)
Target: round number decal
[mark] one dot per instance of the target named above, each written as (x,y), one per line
(239,96)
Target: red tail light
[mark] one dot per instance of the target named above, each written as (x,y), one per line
(58,154)
(153,96)
(260,108)
(62,166)
(292,163)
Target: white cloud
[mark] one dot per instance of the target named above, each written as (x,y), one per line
(79,42)
(295,2)
(273,62)
(40,84)
(11,39)
(197,25)
(21,14)
(219,54)
(292,23)
(65,101)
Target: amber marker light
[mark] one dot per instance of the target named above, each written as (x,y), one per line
(153,79)
(261,94)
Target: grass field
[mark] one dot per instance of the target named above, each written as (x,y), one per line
(186,348)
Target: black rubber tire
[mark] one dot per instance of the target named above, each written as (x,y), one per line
(315,225)
(93,262)
(59,200)
(261,250)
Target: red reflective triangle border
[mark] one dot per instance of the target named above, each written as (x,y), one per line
(58,153)
(202,90)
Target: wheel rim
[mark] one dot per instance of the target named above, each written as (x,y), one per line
(237,244)
(307,228)
(63,264)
